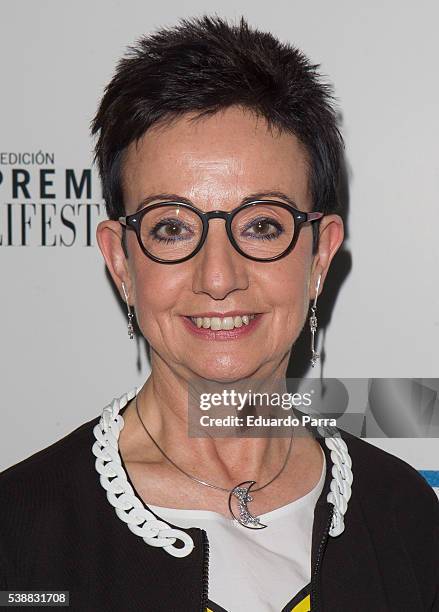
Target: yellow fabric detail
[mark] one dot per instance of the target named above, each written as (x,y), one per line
(303,606)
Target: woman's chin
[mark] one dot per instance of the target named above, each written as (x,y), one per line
(224,370)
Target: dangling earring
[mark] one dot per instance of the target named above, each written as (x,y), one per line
(130,314)
(313,325)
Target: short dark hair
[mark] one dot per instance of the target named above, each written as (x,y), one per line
(203,65)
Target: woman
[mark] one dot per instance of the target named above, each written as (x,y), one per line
(219,155)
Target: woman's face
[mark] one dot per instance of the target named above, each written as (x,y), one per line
(215,163)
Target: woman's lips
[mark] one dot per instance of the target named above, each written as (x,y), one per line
(222,334)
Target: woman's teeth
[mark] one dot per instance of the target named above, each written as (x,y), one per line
(216,323)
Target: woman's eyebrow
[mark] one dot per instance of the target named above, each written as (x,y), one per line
(165,197)
(173,197)
(263,195)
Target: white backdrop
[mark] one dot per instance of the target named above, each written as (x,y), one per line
(65,352)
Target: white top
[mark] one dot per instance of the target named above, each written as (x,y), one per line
(256,569)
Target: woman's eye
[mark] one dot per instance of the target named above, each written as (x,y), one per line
(170,230)
(267,229)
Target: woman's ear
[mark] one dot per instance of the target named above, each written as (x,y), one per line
(109,239)
(330,238)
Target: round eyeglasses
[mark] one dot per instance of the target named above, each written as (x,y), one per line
(262,230)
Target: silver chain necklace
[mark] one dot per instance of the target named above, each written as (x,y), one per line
(240,491)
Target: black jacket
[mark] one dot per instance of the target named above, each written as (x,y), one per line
(59,532)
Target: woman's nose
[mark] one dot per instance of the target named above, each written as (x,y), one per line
(218,268)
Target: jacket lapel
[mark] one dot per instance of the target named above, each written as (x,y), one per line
(347,571)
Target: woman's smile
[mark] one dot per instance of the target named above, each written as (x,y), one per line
(222,326)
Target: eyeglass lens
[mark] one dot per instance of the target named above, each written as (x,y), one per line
(172,232)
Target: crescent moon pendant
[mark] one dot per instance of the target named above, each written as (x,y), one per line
(246,518)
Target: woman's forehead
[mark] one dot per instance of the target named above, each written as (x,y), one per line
(226,155)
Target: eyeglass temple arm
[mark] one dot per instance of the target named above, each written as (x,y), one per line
(312,216)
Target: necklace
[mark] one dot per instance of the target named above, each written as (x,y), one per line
(153,530)
(239,491)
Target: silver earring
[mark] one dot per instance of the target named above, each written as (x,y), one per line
(313,325)
(130,314)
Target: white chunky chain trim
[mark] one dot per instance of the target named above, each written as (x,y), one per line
(120,493)
(341,482)
(143,523)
